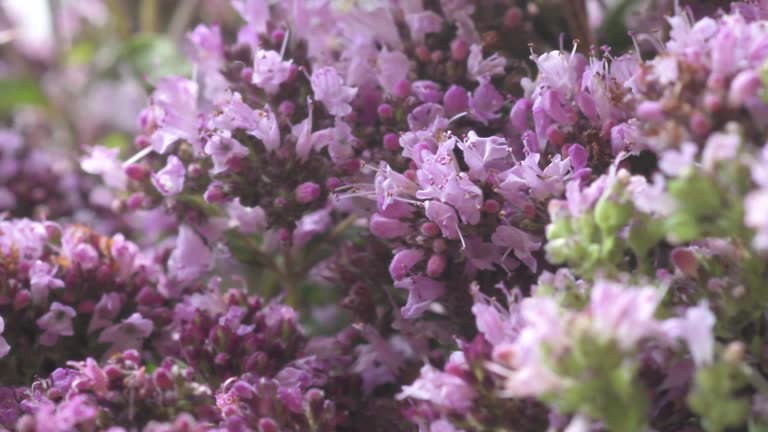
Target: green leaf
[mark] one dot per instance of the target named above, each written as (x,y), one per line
(154,57)
(16,92)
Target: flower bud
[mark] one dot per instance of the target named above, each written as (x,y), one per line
(307,192)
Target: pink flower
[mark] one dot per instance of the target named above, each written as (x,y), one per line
(695,328)
(248,219)
(329,89)
(422,291)
(482,70)
(56,322)
(169,181)
(521,242)
(223,148)
(172,115)
(269,70)
(624,314)
(129,334)
(42,279)
(440,388)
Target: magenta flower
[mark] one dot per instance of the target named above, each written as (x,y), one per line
(442,389)
(329,89)
(269,70)
(56,322)
(172,116)
(128,334)
(42,279)
(169,181)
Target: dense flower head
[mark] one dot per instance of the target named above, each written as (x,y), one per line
(343,215)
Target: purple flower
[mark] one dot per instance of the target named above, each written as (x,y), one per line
(329,89)
(696,329)
(42,279)
(440,388)
(422,23)
(269,70)
(223,148)
(624,314)
(104,162)
(422,291)
(105,311)
(445,217)
(485,103)
(482,154)
(387,228)
(249,220)
(254,12)
(310,225)
(403,261)
(391,68)
(172,114)
(191,258)
(169,181)
(482,70)
(519,241)
(267,129)
(129,334)
(56,322)
(303,133)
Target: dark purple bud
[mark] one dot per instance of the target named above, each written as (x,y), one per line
(423,54)
(132,356)
(141,141)
(135,201)
(436,265)
(215,193)
(555,135)
(266,424)
(512,17)
(136,172)
(22,299)
(308,192)
(286,108)
(700,124)
(163,379)
(277,36)
(430,229)
(385,112)
(246,74)
(685,260)
(459,50)
(391,142)
(491,206)
(331,183)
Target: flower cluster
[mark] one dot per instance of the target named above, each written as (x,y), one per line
(395,215)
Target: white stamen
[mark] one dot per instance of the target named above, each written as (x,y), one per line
(138,156)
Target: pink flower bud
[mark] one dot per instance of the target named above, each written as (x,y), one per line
(436,265)
(391,142)
(387,228)
(459,49)
(308,192)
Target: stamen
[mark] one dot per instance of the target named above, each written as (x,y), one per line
(285,43)
(138,156)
